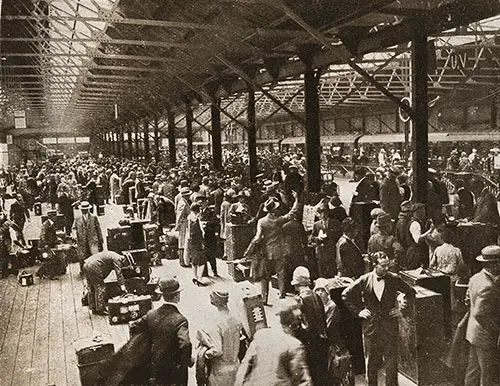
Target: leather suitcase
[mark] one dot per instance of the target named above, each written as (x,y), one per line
(93,355)
(129,307)
(119,239)
(93,350)
(59,222)
(93,374)
(134,285)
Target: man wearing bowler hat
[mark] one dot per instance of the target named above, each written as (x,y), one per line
(170,343)
(483,327)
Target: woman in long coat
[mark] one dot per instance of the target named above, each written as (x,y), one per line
(194,241)
(181,215)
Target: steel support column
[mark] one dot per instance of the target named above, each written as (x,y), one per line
(112,136)
(189,133)
(156,139)
(420,138)
(129,142)
(215,132)
(137,152)
(252,135)
(147,155)
(171,138)
(121,148)
(312,132)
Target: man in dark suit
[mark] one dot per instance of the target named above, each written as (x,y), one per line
(18,215)
(48,236)
(483,327)
(367,189)
(465,202)
(372,298)
(325,234)
(65,207)
(170,343)
(349,257)
(486,210)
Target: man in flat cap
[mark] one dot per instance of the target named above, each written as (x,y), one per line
(220,335)
(170,343)
(483,327)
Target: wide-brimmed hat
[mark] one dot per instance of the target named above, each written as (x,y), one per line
(220,295)
(169,286)
(269,186)
(375,212)
(271,204)
(491,253)
(230,193)
(301,276)
(384,219)
(185,191)
(84,205)
(322,283)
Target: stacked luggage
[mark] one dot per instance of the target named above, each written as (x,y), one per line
(152,243)
(119,239)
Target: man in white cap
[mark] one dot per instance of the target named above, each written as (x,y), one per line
(483,327)
(220,335)
(88,231)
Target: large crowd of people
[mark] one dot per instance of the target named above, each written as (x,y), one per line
(196,204)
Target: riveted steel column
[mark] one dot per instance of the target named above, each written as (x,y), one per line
(147,155)
(129,142)
(252,135)
(313,143)
(420,139)
(189,133)
(137,152)
(156,139)
(215,132)
(171,138)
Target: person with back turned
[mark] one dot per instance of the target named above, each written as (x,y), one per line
(483,326)
(170,344)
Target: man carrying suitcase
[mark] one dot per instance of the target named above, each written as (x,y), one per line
(97,267)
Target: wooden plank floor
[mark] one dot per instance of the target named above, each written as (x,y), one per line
(38,324)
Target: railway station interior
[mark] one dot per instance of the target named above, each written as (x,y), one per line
(249,192)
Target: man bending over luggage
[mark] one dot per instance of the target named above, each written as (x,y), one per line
(97,267)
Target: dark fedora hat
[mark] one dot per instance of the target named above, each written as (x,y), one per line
(169,286)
